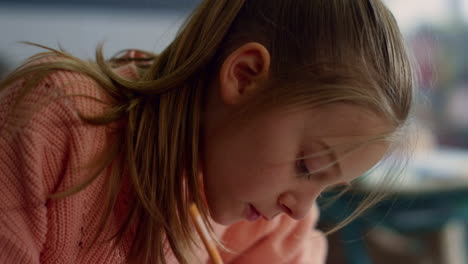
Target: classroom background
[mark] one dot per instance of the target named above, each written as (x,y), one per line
(423,220)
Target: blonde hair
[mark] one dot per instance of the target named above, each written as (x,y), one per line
(323,51)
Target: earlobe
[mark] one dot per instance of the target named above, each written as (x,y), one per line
(243,72)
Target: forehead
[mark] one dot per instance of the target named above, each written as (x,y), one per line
(348,130)
(352,163)
(340,121)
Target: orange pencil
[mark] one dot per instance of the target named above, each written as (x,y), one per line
(203,232)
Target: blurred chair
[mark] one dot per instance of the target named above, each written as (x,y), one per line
(425,204)
(404,216)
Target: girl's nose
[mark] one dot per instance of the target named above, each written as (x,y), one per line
(296,206)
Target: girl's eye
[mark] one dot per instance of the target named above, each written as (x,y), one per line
(302,168)
(313,167)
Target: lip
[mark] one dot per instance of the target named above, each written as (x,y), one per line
(253,214)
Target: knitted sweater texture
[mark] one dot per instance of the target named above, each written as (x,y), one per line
(45,147)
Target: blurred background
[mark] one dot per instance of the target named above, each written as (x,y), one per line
(79,25)
(423,220)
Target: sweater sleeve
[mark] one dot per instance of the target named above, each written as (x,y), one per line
(39,141)
(25,180)
(22,217)
(282,240)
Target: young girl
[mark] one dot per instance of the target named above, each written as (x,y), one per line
(250,113)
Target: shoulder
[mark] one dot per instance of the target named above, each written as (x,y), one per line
(46,123)
(79,92)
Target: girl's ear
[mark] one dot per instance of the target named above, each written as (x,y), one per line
(243,72)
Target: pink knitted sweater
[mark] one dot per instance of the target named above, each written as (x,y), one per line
(43,149)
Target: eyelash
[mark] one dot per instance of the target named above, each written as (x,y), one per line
(302,169)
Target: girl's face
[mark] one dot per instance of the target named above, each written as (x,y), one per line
(251,169)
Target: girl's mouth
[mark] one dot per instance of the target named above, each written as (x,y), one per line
(253,214)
